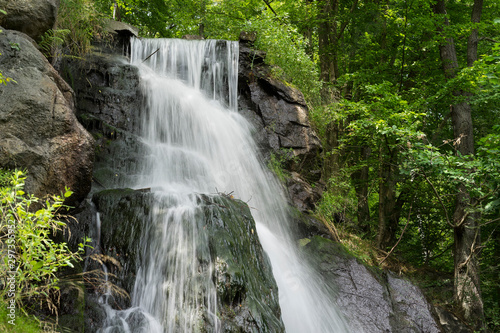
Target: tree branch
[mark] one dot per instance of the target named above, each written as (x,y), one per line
(440,201)
(401,236)
(271,8)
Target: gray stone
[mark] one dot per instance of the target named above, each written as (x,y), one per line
(33,17)
(109,102)
(282,120)
(38,127)
(118,27)
(303,196)
(372,301)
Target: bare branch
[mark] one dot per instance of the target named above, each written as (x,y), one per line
(401,236)
(440,201)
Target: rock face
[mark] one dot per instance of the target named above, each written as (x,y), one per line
(372,301)
(38,128)
(33,17)
(282,113)
(247,299)
(108,102)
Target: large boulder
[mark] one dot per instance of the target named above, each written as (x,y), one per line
(33,17)
(108,104)
(372,301)
(227,254)
(38,128)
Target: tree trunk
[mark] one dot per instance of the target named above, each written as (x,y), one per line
(467,292)
(389,208)
(473,38)
(326,40)
(360,181)
(331,166)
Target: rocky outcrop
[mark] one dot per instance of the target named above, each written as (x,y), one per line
(109,104)
(282,113)
(33,17)
(38,128)
(372,301)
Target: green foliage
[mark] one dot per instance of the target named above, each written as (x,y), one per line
(338,203)
(52,40)
(32,257)
(4,80)
(286,49)
(277,163)
(23,323)
(83,21)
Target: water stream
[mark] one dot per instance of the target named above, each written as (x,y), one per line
(197,142)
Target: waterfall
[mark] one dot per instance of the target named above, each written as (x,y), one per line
(197,143)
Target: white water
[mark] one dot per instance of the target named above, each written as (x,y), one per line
(198,143)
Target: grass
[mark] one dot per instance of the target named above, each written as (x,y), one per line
(23,323)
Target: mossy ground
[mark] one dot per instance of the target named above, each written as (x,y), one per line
(23,323)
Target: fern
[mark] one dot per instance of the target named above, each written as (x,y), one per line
(52,40)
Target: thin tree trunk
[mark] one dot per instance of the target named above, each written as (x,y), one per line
(360,181)
(467,292)
(326,40)
(388,211)
(473,38)
(332,165)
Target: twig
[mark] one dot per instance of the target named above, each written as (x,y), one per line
(331,228)
(440,201)
(149,56)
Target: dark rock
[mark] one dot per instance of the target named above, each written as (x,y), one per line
(283,119)
(38,127)
(109,101)
(246,290)
(371,301)
(302,194)
(248,37)
(450,323)
(72,316)
(107,92)
(118,37)
(33,17)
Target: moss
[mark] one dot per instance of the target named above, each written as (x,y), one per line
(246,288)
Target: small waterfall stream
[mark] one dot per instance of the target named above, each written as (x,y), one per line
(197,143)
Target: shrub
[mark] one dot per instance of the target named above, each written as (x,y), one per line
(31,258)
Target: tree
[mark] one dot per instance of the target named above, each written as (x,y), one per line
(467,291)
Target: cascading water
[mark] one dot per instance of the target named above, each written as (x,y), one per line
(198,143)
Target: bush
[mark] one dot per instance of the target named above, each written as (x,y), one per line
(31,258)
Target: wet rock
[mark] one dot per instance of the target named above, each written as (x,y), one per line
(38,127)
(33,17)
(371,301)
(109,101)
(247,295)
